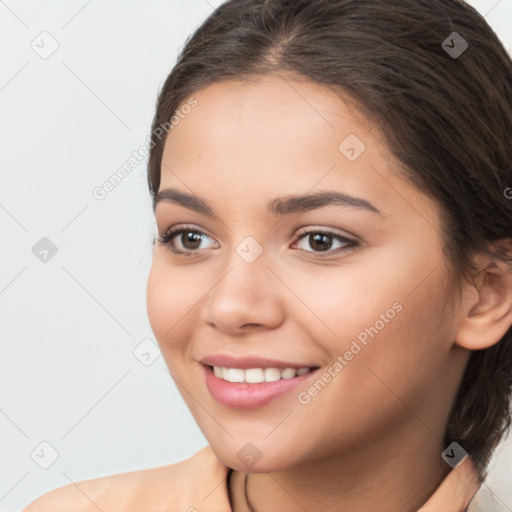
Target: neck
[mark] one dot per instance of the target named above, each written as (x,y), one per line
(397,473)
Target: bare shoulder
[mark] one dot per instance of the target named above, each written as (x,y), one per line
(182,485)
(109,493)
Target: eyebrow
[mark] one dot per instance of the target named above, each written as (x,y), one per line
(279,207)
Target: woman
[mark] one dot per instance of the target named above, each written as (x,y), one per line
(331,285)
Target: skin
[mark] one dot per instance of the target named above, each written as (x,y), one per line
(371,439)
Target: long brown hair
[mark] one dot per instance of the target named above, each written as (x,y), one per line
(446,117)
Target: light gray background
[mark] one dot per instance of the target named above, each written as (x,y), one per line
(69,326)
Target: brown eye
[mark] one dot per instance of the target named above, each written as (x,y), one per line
(320,242)
(191,240)
(323,242)
(184,240)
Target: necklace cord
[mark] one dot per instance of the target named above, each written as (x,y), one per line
(245,493)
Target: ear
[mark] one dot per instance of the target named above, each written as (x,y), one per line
(487,310)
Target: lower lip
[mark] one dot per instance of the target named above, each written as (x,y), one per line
(242,395)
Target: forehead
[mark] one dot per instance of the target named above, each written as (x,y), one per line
(268,123)
(266,103)
(275,135)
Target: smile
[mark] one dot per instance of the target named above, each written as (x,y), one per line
(248,388)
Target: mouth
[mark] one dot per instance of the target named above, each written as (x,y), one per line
(248,388)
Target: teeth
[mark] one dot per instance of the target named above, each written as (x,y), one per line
(235,375)
(272,374)
(257,375)
(254,375)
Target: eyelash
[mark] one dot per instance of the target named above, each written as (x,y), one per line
(167,240)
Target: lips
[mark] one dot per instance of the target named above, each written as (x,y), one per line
(246,395)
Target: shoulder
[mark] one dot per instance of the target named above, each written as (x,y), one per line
(486,500)
(195,483)
(457,489)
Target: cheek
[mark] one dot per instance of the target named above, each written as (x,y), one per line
(387,318)
(384,365)
(157,301)
(171,297)
(403,349)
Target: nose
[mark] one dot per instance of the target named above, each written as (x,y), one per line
(247,297)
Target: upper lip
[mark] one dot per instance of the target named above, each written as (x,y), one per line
(226,361)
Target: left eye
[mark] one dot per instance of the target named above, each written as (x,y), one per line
(323,241)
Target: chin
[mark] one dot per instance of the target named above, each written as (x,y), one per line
(247,457)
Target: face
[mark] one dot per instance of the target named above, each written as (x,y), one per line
(302,245)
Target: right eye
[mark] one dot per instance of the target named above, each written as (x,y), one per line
(184,240)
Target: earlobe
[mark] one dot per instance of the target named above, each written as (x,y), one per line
(488,313)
